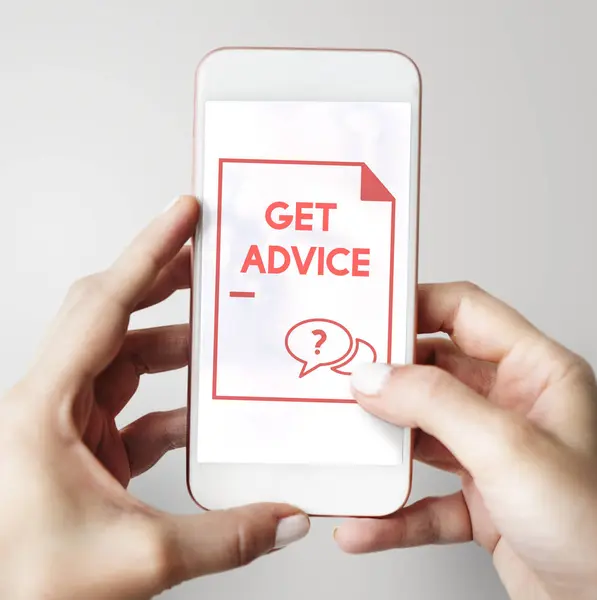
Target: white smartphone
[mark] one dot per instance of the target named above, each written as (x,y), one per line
(306,165)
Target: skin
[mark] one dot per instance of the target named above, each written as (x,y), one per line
(514,415)
(69,527)
(508,410)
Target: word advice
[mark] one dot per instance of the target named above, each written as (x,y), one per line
(305,216)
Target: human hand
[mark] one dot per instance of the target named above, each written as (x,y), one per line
(514,414)
(69,528)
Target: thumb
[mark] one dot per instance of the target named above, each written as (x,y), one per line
(483,437)
(223,540)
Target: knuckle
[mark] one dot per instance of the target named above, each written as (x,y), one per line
(152,421)
(583,369)
(565,364)
(98,289)
(435,380)
(468,288)
(372,539)
(162,425)
(165,427)
(146,258)
(469,294)
(420,388)
(247,547)
(157,555)
(427,529)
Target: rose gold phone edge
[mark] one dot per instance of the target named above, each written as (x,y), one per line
(413,265)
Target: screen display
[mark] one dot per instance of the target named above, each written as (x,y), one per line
(303,275)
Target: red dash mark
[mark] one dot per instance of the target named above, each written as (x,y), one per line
(242,294)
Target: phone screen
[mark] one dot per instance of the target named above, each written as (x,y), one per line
(304,272)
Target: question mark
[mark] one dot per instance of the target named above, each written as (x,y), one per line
(322,338)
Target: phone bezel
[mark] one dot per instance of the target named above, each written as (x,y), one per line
(254,74)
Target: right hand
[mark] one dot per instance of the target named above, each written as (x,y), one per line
(514,414)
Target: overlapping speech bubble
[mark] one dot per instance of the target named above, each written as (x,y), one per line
(319,343)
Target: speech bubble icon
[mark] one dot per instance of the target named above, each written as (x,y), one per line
(318,343)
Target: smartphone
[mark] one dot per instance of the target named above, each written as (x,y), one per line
(306,165)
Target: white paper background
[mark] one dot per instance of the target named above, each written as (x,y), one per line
(252,357)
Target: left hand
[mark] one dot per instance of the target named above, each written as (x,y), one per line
(68,527)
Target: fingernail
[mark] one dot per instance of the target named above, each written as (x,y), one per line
(334,532)
(370,378)
(291,529)
(171,204)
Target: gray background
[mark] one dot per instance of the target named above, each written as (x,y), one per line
(95,137)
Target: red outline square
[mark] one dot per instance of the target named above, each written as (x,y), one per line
(369,185)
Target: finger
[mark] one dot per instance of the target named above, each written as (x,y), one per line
(482,326)
(477,374)
(432,452)
(139,265)
(483,438)
(153,350)
(442,520)
(535,372)
(147,439)
(176,275)
(89,328)
(223,540)
(157,349)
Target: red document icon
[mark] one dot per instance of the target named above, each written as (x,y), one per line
(305,269)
